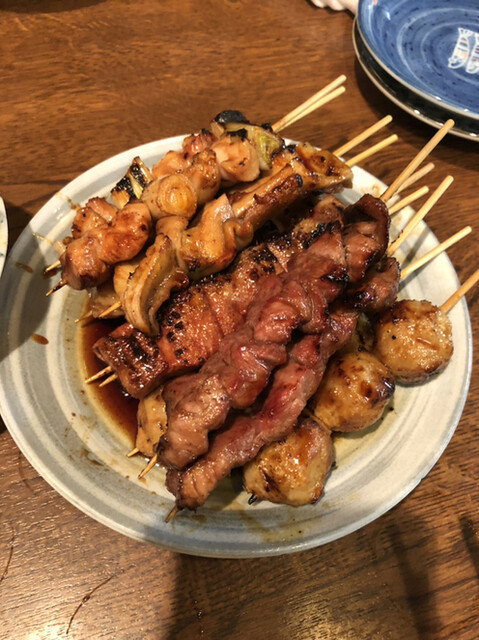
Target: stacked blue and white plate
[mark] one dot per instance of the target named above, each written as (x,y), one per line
(424,56)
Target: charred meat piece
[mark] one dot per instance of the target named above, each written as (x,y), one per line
(88,260)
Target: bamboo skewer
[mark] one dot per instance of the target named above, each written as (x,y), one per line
(99,374)
(111,378)
(463,289)
(309,109)
(305,107)
(347,146)
(433,253)
(404,202)
(52,266)
(172,514)
(151,463)
(58,286)
(113,307)
(416,161)
(411,225)
(372,150)
(85,316)
(420,173)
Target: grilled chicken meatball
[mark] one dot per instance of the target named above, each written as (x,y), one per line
(354,391)
(292,471)
(414,340)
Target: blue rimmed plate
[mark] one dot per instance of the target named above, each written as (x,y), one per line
(430,46)
(422,109)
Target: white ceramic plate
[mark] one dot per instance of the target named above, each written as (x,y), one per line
(59,425)
(3,235)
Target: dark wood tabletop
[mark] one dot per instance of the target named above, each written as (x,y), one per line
(82,81)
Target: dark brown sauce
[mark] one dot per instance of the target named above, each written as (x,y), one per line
(121,406)
(25,267)
(36,337)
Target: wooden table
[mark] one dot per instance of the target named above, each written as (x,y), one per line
(82,81)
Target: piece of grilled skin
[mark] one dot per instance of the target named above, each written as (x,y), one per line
(88,259)
(414,339)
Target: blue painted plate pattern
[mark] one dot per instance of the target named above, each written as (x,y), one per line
(431,46)
(415,105)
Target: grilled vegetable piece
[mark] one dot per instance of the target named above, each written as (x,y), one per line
(132,184)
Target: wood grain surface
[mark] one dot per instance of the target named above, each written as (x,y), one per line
(81,81)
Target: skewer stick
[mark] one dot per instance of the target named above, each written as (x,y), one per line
(463,289)
(133,452)
(318,100)
(416,161)
(416,219)
(367,133)
(430,255)
(113,307)
(85,316)
(372,150)
(108,380)
(52,266)
(420,173)
(309,109)
(99,374)
(404,202)
(58,286)
(149,466)
(172,514)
